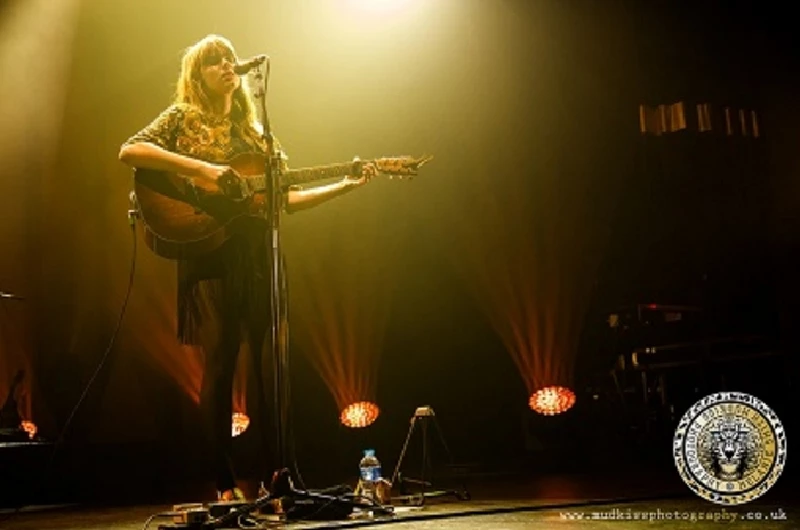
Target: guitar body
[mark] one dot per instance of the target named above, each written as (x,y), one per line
(183,222)
(178,226)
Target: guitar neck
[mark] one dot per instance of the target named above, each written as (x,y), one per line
(310,174)
(304,175)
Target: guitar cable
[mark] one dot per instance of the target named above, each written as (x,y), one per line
(133,213)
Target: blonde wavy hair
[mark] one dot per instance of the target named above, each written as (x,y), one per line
(191,90)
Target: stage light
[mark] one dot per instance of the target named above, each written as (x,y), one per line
(382,7)
(552,400)
(240,423)
(360,414)
(30,428)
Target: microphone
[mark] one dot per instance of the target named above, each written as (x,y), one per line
(249,64)
(10,296)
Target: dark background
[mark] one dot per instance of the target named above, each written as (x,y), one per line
(543,186)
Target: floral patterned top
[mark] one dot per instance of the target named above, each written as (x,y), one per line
(187,130)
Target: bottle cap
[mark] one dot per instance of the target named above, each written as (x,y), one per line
(369,452)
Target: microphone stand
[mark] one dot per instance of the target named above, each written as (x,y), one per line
(278,300)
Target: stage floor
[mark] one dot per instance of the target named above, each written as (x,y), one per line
(674,514)
(568,502)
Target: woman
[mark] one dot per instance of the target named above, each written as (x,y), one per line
(211,120)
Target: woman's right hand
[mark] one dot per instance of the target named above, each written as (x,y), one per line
(212,172)
(209,175)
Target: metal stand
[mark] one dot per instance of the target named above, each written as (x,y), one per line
(279,328)
(424,415)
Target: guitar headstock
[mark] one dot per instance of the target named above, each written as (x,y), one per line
(401,166)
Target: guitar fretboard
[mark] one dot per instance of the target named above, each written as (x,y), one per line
(303,175)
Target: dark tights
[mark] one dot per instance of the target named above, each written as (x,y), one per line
(216,395)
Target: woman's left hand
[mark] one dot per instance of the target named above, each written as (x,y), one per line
(368,171)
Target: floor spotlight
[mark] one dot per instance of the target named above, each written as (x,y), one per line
(30,428)
(240,423)
(360,414)
(552,400)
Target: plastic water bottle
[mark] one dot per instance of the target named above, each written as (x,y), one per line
(370,468)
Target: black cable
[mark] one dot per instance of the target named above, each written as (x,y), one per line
(132,214)
(473,512)
(110,346)
(368,504)
(430,516)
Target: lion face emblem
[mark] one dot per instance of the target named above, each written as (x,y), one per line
(729,449)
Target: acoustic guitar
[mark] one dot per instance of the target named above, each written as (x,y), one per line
(184,221)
